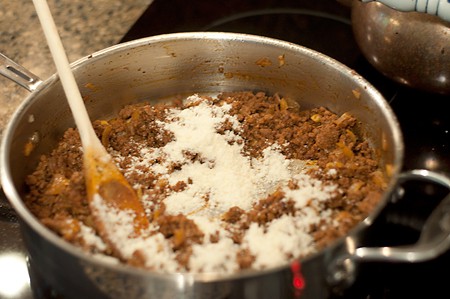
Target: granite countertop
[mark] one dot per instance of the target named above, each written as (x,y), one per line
(84,27)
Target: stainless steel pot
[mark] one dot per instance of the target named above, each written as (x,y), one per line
(166,65)
(411,48)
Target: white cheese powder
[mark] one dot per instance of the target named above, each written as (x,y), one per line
(227,178)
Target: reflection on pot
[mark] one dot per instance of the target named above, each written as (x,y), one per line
(14,278)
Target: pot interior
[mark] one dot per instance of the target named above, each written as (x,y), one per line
(162,67)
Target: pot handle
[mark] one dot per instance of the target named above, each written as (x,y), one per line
(18,74)
(435,234)
(434,238)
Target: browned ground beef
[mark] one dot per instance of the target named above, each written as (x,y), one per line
(329,141)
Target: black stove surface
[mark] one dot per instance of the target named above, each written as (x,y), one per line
(325,26)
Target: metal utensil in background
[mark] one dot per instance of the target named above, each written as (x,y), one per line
(439,8)
(411,48)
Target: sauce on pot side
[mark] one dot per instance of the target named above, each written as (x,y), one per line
(239,181)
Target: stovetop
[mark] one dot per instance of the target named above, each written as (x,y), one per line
(322,25)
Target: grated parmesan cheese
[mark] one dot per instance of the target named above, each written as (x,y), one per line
(223,177)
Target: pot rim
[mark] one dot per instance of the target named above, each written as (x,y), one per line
(27,217)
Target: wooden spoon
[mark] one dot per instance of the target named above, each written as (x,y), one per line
(104,181)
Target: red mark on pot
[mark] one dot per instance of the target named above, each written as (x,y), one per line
(298,281)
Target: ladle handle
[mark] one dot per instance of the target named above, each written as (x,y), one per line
(440,8)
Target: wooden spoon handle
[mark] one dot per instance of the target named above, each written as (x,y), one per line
(65,73)
(107,188)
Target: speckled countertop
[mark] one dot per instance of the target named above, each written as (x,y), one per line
(84,27)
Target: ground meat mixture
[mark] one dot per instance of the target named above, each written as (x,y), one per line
(239,181)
